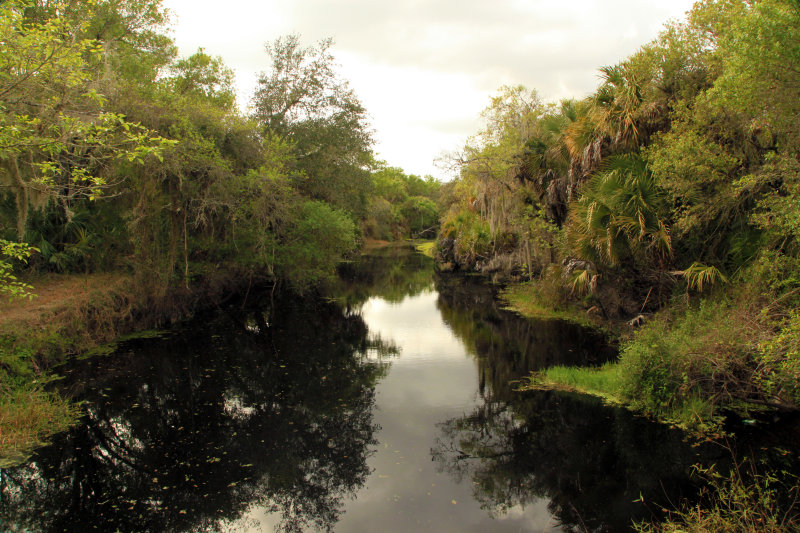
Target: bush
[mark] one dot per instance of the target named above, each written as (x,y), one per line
(689,366)
(471,235)
(316,242)
(780,362)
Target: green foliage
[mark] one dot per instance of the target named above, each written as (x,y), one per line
(545,298)
(688,366)
(28,417)
(677,158)
(142,161)
(620,215)
(780,358)
(314,243)
(471,235)
(604,382)
(743,501)
(698,275)
(302,98)
(204,77)
(401,204)
(11,252)
(761,58)
(56,139)
(421,216)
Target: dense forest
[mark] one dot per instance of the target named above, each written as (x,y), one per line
(119,157)
(668,197)
(117,154)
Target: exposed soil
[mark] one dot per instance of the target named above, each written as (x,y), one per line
(56,292)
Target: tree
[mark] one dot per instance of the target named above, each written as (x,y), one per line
(314,243)
(421,215)
(303,101)
(56,140)
(760,53)
(205,77)
(620,214)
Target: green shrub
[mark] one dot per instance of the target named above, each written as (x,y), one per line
(472,236)
(315,243)
(688,366)
(780,362)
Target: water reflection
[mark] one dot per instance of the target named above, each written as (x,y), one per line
(596,467)
(599,468)
(509,345)
(391,273)
(287,416)
(268,408)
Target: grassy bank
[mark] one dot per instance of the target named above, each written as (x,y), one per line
(69,314)
(736,350)
(534,299)
(28,416)
(697,359)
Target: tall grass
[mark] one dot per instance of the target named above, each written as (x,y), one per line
(605,381)
(27,418)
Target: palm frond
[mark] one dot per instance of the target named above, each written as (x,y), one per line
(699,275)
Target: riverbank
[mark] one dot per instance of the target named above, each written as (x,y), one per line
(534,300)
(71,314)
(34,335)
(690,363)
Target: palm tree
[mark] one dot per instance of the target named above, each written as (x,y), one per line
(554,155)
(619,214)
(617,103)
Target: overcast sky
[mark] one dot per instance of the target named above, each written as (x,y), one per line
(425,69)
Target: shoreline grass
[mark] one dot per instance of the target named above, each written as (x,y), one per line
(533,300)
(427,248)
(603,382)
(27,418)
(611,383)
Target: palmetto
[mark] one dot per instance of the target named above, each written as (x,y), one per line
(619,214)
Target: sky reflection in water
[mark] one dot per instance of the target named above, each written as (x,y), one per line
(387,410)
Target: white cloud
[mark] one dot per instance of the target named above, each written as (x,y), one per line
(426,68)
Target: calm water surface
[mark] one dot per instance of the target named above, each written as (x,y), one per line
(384,406)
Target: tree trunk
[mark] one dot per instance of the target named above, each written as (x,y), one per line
(21,191)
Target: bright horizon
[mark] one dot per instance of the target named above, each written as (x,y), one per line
(425,70)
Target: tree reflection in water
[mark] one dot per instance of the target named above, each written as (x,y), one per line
(597,467)
(390,272)
(270,407)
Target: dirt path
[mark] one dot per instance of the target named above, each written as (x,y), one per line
(54,292)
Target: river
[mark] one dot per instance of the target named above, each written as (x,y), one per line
(387,404)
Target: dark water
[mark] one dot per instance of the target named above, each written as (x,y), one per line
(385,406)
